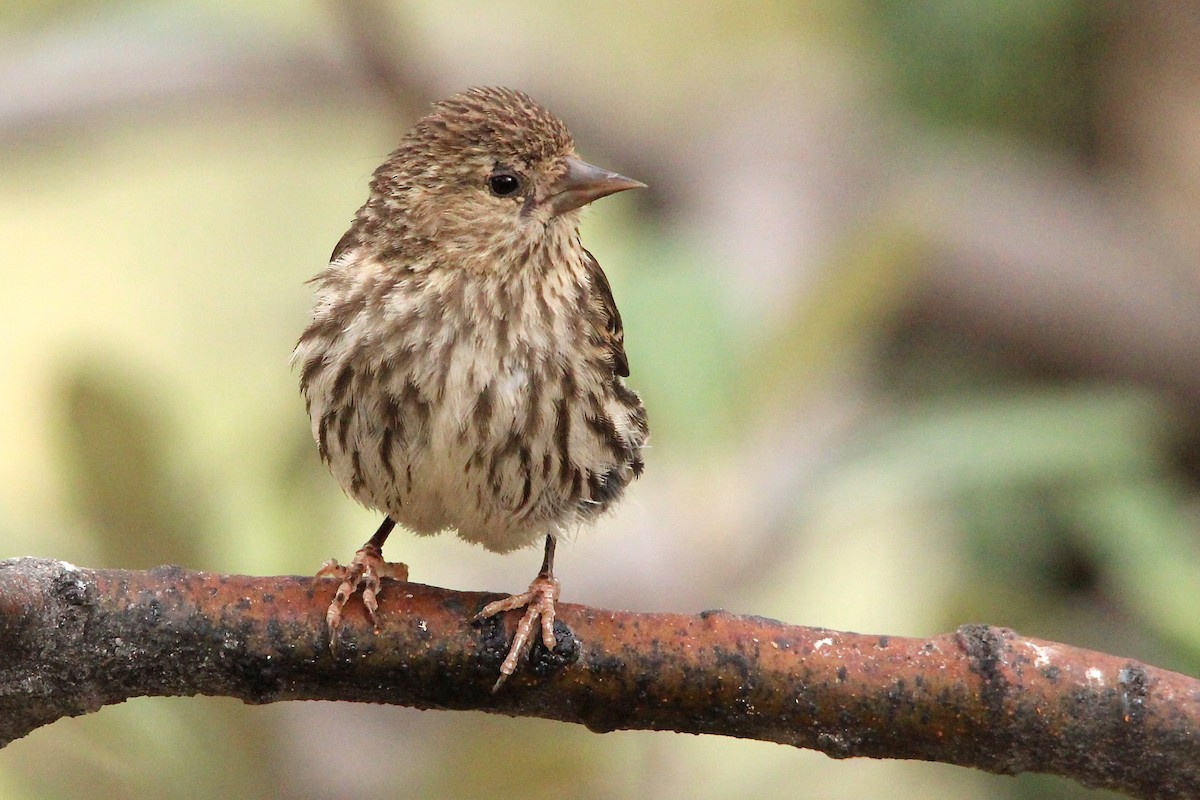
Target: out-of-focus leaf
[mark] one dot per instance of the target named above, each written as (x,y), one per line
(1148,542)
(681,344)
(1026,68)
(122,481)
(1056,492)
(1026,438)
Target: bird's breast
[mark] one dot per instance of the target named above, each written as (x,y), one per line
(468,403)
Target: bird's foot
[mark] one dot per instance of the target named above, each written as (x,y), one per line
(362,573)
(538,603)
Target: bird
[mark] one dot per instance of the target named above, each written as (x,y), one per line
(464,368)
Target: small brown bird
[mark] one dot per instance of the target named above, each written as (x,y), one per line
(464,365)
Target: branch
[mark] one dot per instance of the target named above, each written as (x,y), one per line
(73,640)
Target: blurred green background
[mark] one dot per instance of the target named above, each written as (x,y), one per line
(912,302)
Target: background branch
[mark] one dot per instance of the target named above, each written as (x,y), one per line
(74,640)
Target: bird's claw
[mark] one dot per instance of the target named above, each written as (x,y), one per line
(364,573)
(538,603)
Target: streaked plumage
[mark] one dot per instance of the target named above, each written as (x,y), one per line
(464,366)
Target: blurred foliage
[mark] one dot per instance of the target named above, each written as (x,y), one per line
(119,478)
(154,268)
(680,333)
(1024,68)
(1071,496)
(1068,497)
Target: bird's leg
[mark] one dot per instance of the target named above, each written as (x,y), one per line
(363,572)
(538,603)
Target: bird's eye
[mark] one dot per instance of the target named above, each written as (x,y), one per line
(504,184)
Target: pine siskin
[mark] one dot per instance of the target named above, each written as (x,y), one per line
(464,366)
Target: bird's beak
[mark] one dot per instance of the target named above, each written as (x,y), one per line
(582,183)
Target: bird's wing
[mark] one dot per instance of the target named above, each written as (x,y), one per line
(349,239)
(608,328)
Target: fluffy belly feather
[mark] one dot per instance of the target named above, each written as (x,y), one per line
(499,449)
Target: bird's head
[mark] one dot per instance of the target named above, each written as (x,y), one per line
(489,170)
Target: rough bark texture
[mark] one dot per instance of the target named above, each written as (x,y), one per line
(73,640)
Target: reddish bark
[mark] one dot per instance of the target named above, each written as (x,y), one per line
(75,639)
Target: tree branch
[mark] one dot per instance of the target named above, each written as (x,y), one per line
(73,640)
